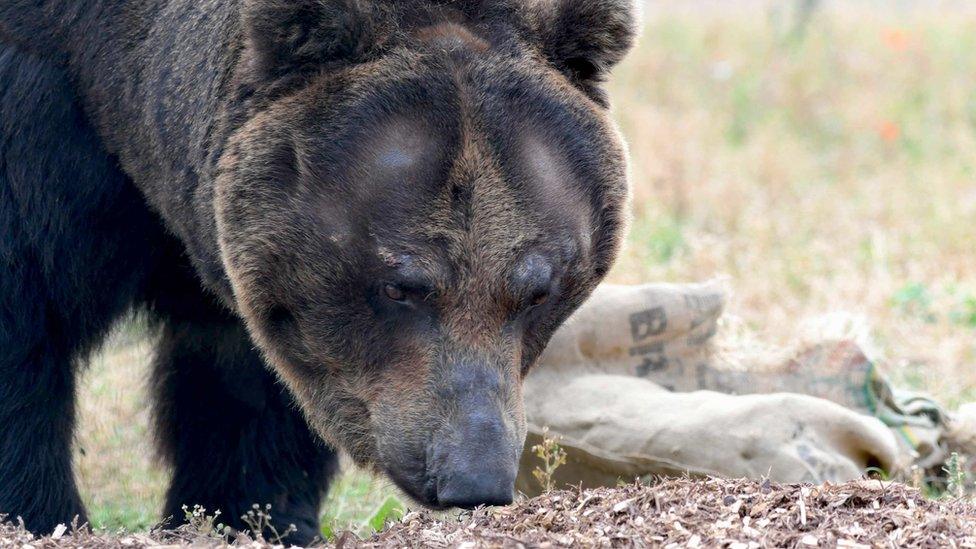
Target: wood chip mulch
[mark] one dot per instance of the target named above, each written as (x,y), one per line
(737,514)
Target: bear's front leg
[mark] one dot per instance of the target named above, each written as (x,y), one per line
(75,238)
(36,422)
(230,431)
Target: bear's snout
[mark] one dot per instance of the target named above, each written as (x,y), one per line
(477,483)
(478,463)
(476,453)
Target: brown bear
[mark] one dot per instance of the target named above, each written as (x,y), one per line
(354,225)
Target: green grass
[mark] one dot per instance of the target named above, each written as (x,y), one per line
(361,503)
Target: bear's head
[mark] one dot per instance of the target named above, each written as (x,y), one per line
(417,194)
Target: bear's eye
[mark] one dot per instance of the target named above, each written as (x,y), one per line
(534,276)
(540,297)
(394,292)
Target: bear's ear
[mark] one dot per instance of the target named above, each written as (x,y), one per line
(585,38)
(287,36)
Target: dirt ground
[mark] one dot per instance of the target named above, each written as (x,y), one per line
(670,513)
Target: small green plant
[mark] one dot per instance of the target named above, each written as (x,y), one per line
(964,312)
(329,529)
(204,525)
(259,522)
(661,235)
(390,511)
(915,300)
(552,456)
(955,470)
(877,473)
(917,478)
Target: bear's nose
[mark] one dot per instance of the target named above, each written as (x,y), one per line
(479,467)
(476,483)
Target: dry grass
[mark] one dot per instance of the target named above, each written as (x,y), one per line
(833,173)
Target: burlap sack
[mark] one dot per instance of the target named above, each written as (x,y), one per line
(652,330)
(616,427)
(630,387)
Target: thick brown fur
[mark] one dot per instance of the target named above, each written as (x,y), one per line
(400,201)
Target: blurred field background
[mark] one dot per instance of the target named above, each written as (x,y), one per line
(823,161)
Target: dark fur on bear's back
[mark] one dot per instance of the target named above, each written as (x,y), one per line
(366,217)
